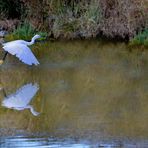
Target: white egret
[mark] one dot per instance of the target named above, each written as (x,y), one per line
(21,98)
(20,49)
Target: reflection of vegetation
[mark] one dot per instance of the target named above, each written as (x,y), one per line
(141,38)
(92,93)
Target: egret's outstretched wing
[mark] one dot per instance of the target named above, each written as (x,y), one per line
(15,42)
(22,97)
(22,52)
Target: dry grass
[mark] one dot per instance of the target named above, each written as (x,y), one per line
(9,25)
(88,18)
(123,17)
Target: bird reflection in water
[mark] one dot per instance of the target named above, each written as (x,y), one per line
(20,100)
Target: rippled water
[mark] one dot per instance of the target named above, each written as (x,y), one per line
(83,94)
(24,142)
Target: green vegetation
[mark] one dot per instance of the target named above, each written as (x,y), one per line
(25,31)
(141,38)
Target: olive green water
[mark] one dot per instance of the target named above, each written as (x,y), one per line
(90,94)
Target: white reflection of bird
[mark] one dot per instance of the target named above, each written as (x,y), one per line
(20,50)
(21,98)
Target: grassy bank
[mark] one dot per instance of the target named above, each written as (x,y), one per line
(70,19)
(140,39)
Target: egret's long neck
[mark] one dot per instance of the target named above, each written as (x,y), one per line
(32,41)
(32,110)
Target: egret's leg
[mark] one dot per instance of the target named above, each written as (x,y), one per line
(1,61)
(5,55)
(4,92)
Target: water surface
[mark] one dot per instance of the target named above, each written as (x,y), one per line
(88,94)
